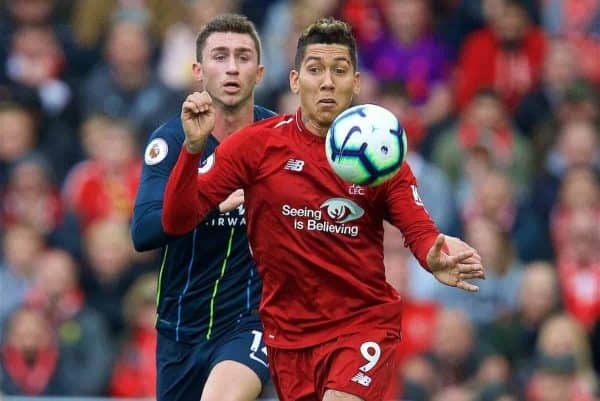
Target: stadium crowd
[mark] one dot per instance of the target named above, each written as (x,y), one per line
(500,101)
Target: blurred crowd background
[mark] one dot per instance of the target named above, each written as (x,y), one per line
(501,105)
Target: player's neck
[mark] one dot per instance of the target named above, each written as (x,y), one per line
(229,120)
(314,128)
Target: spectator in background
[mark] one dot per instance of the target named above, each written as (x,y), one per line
(179,45)
(454,393)
(455,354)
(109,271)
(577,146)
(18,136)
(579,104)
(37,72)
(562,341)
(554,379)
(37,62)
(579,22)
(506,55)
(560,71)
(134,374)
(494,197)
(366,19)
(515,335)
(579,193)
(90,18)
(31,198)
(419,379)
(86,351)
(410,53)
(29,356)
(105,184)
(21,245)
(38,75)
(15,14)
(482,138)
(471,15)
(126,86)
(579,261)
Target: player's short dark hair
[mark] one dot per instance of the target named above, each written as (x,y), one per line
(326,31)
(235,23)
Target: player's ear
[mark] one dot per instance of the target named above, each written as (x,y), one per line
(356,88)
(259,73)
(197,71)
(294,85)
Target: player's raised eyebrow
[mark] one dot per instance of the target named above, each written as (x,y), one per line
(320,59)
(237,49)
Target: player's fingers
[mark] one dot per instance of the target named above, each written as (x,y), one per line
(468,276)
(476,256)
(190,106)
(467,286)
(202,99)
(459,258)
(470,267)
(471,261)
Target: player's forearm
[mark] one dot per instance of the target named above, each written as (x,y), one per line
(146,228)
(182,208)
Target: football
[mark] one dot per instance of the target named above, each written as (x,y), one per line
(366,145)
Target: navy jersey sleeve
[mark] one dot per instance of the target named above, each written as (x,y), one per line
(159,158)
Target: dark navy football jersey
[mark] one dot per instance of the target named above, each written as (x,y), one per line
(207,280)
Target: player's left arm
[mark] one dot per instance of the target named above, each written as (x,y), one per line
(449,259)
(160,157)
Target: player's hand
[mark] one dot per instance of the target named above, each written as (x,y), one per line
(234,200)
(453,269)
(198,120)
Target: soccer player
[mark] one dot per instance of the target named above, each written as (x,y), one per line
(332,323)
(210,343)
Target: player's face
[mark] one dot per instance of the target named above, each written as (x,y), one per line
(229,70)
(326,83)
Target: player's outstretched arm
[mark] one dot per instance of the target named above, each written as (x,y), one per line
(461,263)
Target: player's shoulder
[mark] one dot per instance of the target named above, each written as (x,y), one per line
(262,113)
(268,124)
(168,136)
(170,130)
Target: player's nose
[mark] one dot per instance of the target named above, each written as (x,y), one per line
(327,82)
(232,66)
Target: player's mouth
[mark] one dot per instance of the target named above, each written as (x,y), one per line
(231,87)
(327,102)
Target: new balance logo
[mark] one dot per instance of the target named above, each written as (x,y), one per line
(294,165)
(362,379)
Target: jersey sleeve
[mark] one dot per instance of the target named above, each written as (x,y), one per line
(146,227)
(407,212)
(189,197)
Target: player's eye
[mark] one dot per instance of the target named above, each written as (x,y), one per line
(219,57)
(340,71)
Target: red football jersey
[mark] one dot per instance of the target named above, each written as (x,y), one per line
(317,240)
